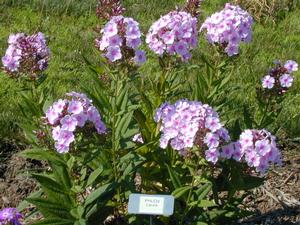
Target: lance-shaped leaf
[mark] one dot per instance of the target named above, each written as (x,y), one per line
(99,193)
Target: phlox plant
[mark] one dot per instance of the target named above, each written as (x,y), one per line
(163,134)
(26,60)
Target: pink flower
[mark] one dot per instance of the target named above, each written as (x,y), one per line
(212,155)
(174,33)
(291,66)
(229,28)
(211,140)
(65,137)
(56,133)
(59,106)
(113,53)
(61,148)
(75,107)
(213,123)
(227,151)
(133,43)
(52,116)
(111,29)
(260,150)
(68,123)
(286,80)
(232,49)
(115,40)
(268,82)
(140,57)
(81,119)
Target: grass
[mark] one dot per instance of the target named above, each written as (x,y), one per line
(69,28)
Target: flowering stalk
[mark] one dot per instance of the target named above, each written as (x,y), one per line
(192,6)
(274,87)
(109,8)
(228,28)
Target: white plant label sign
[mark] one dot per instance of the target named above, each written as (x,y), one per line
(151,204)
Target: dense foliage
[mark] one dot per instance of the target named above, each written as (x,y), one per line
(167,133)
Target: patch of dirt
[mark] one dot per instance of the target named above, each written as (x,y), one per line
(15,186)
(277,202)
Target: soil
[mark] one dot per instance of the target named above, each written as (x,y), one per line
(276,202)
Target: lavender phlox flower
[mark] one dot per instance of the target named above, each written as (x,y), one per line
(286,80)
(279,78)
(190,123)
(10,216)
(291,66)
(173,34)
(26,54)
(268,82)
(258,149)
(120,40)
(228,28)
(66,116)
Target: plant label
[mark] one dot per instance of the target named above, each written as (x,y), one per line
(151,204)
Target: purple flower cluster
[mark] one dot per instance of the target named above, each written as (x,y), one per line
(228,28)
(174,33)
(258,148)
(189,123)
(26,54)
(10,216)
(121,37)
(66,115)
(279,79)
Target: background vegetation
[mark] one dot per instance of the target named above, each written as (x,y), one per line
(70,29)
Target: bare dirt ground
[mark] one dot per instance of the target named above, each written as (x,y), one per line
(277,202)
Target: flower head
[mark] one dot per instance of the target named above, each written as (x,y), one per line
(26,54)
(268,82)
(280,78)
(259,150)
(291,66)
(10,216)
(120,40)
(228,28)
(189,123)
(66,116)
(173,34)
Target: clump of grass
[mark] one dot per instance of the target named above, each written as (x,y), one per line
(264,10)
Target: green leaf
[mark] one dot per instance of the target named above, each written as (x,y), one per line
(81,222)
(131,161)
(55,208)
(24,204)
(177,193)
(42,154)
(94,175)
(99,193)
(174,177)
(122,126)
(206,203)
(49,183)
(54,221)
(203,191)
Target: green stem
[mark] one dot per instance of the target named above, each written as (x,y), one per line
(188,200)
(115,146)
(264,113)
